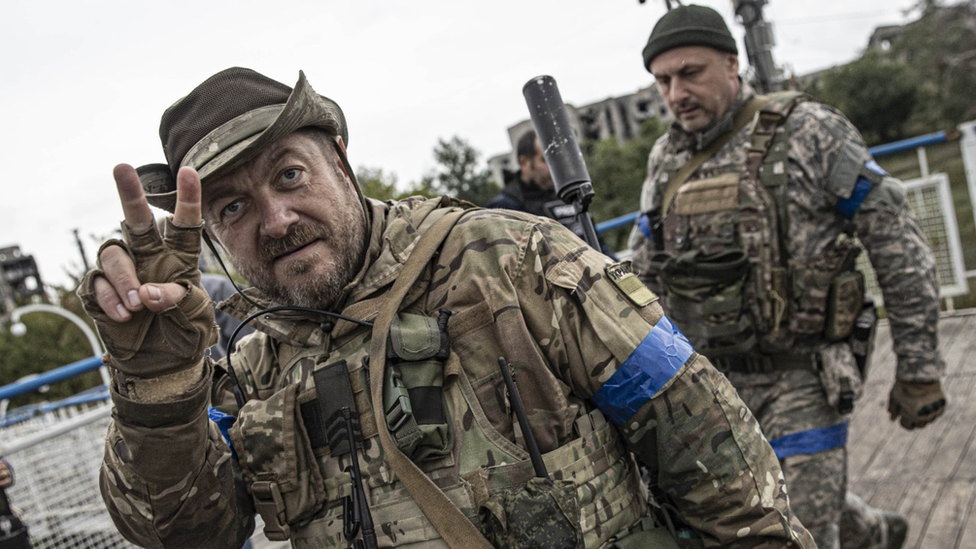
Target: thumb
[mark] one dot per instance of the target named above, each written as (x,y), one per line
(158,297)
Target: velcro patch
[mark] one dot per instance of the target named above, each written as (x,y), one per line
(622,275)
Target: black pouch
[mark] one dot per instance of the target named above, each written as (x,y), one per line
(277,461)
(538,514)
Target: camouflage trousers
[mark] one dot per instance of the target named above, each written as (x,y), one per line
(788,406)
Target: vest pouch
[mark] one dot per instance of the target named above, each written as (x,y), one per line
(839,375)
(277,462)
(413,395)
(813,281)
(705,297)
(538,514)
(844,305)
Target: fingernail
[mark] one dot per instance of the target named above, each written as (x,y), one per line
(133,298)
(122,312)
(154,293)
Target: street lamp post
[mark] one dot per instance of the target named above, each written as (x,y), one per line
(18,328)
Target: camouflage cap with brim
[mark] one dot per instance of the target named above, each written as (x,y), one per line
(226,121)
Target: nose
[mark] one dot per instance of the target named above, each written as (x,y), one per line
(677,91)
(277,216)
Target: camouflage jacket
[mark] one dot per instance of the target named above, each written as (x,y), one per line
(826,154)
(586,342)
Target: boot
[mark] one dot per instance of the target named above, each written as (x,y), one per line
(897,529)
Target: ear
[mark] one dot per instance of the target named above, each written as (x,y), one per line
(732,61)
(524,163)
(343,159)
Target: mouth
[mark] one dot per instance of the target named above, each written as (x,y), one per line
(293,251)
(689,111)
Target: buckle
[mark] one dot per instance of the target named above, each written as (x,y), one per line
(396,400)
(270,505)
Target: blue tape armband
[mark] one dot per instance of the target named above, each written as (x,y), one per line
(648,368)
(849,206)
(644,224)
(812,441)
(224,423)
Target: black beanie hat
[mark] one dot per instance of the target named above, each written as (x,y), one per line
(688,26)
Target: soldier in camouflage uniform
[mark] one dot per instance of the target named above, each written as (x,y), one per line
(341,438)
(752,209)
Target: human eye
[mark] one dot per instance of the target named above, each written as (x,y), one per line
(291,176)
(231,209)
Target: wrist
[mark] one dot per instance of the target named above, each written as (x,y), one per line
(164,388)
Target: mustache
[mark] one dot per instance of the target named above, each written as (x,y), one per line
(300,235)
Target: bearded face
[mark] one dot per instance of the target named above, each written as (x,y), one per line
(292,222)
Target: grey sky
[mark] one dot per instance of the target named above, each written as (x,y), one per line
(83,83)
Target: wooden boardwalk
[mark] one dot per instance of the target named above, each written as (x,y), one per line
(928,475)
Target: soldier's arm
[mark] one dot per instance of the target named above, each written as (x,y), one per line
(680,416)
(166,476)
(829,150)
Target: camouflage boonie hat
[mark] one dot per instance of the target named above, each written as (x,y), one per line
(229,119)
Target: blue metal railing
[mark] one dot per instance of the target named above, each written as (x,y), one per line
(878,151)
(63,373)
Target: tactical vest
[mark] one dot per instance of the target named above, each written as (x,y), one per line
(297,465)
(729,281)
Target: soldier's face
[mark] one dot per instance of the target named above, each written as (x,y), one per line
(291,221)
(698,83)
(535,169)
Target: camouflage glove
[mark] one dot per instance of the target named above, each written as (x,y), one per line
(918,404)
(154,344)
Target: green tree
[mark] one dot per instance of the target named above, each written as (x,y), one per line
(50,341)
(941,48)
(376,183)
(458,173)
(876,92)
(618,172)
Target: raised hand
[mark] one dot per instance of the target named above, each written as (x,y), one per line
(145,295)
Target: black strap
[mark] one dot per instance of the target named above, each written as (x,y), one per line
(766,364)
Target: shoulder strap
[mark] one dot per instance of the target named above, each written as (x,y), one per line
(741,119)
(768,156)
(453,526)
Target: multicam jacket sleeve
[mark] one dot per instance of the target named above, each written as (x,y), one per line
(833,178)
(610,342)
(167,477)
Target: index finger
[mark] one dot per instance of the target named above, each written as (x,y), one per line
(188,211)
(135,208)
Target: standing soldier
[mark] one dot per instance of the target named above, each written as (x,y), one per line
(752,212)
(374,403)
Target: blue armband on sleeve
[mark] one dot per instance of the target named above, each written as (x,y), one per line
(648,369)
(849,206)
(224,422)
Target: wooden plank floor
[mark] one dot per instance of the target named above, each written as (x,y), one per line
(927,475)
